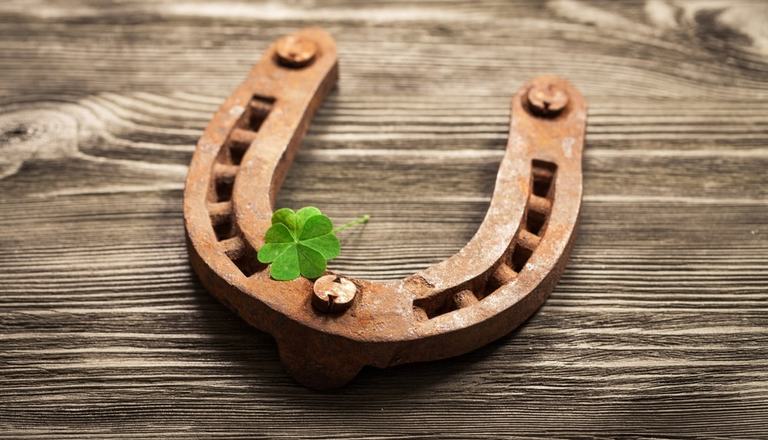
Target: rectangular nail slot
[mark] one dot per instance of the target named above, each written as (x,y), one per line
(224,230)
(258,110)
(543,176)
(247,263)
(520,256)
(534,222)
(237,151)
(445,302)
(223,189)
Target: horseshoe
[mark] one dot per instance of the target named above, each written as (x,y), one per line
(327,330)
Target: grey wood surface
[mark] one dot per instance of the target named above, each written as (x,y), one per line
(659,327)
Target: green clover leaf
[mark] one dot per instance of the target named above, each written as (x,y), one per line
(300,243)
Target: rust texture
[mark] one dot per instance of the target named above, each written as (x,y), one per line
(327,330)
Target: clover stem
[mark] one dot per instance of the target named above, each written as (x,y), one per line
(358,221)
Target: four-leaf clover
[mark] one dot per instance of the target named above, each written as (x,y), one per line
(301,243)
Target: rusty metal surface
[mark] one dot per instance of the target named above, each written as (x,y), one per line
(492,285)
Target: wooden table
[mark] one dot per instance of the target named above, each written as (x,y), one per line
(659,327)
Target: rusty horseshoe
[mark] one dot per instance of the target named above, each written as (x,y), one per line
(327,330)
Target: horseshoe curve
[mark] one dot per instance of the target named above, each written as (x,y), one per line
(487,289)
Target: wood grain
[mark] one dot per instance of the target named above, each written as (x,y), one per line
(658,329)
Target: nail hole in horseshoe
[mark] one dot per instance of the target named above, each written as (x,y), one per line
(543,175)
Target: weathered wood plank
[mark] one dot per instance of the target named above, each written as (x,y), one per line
(659,327)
